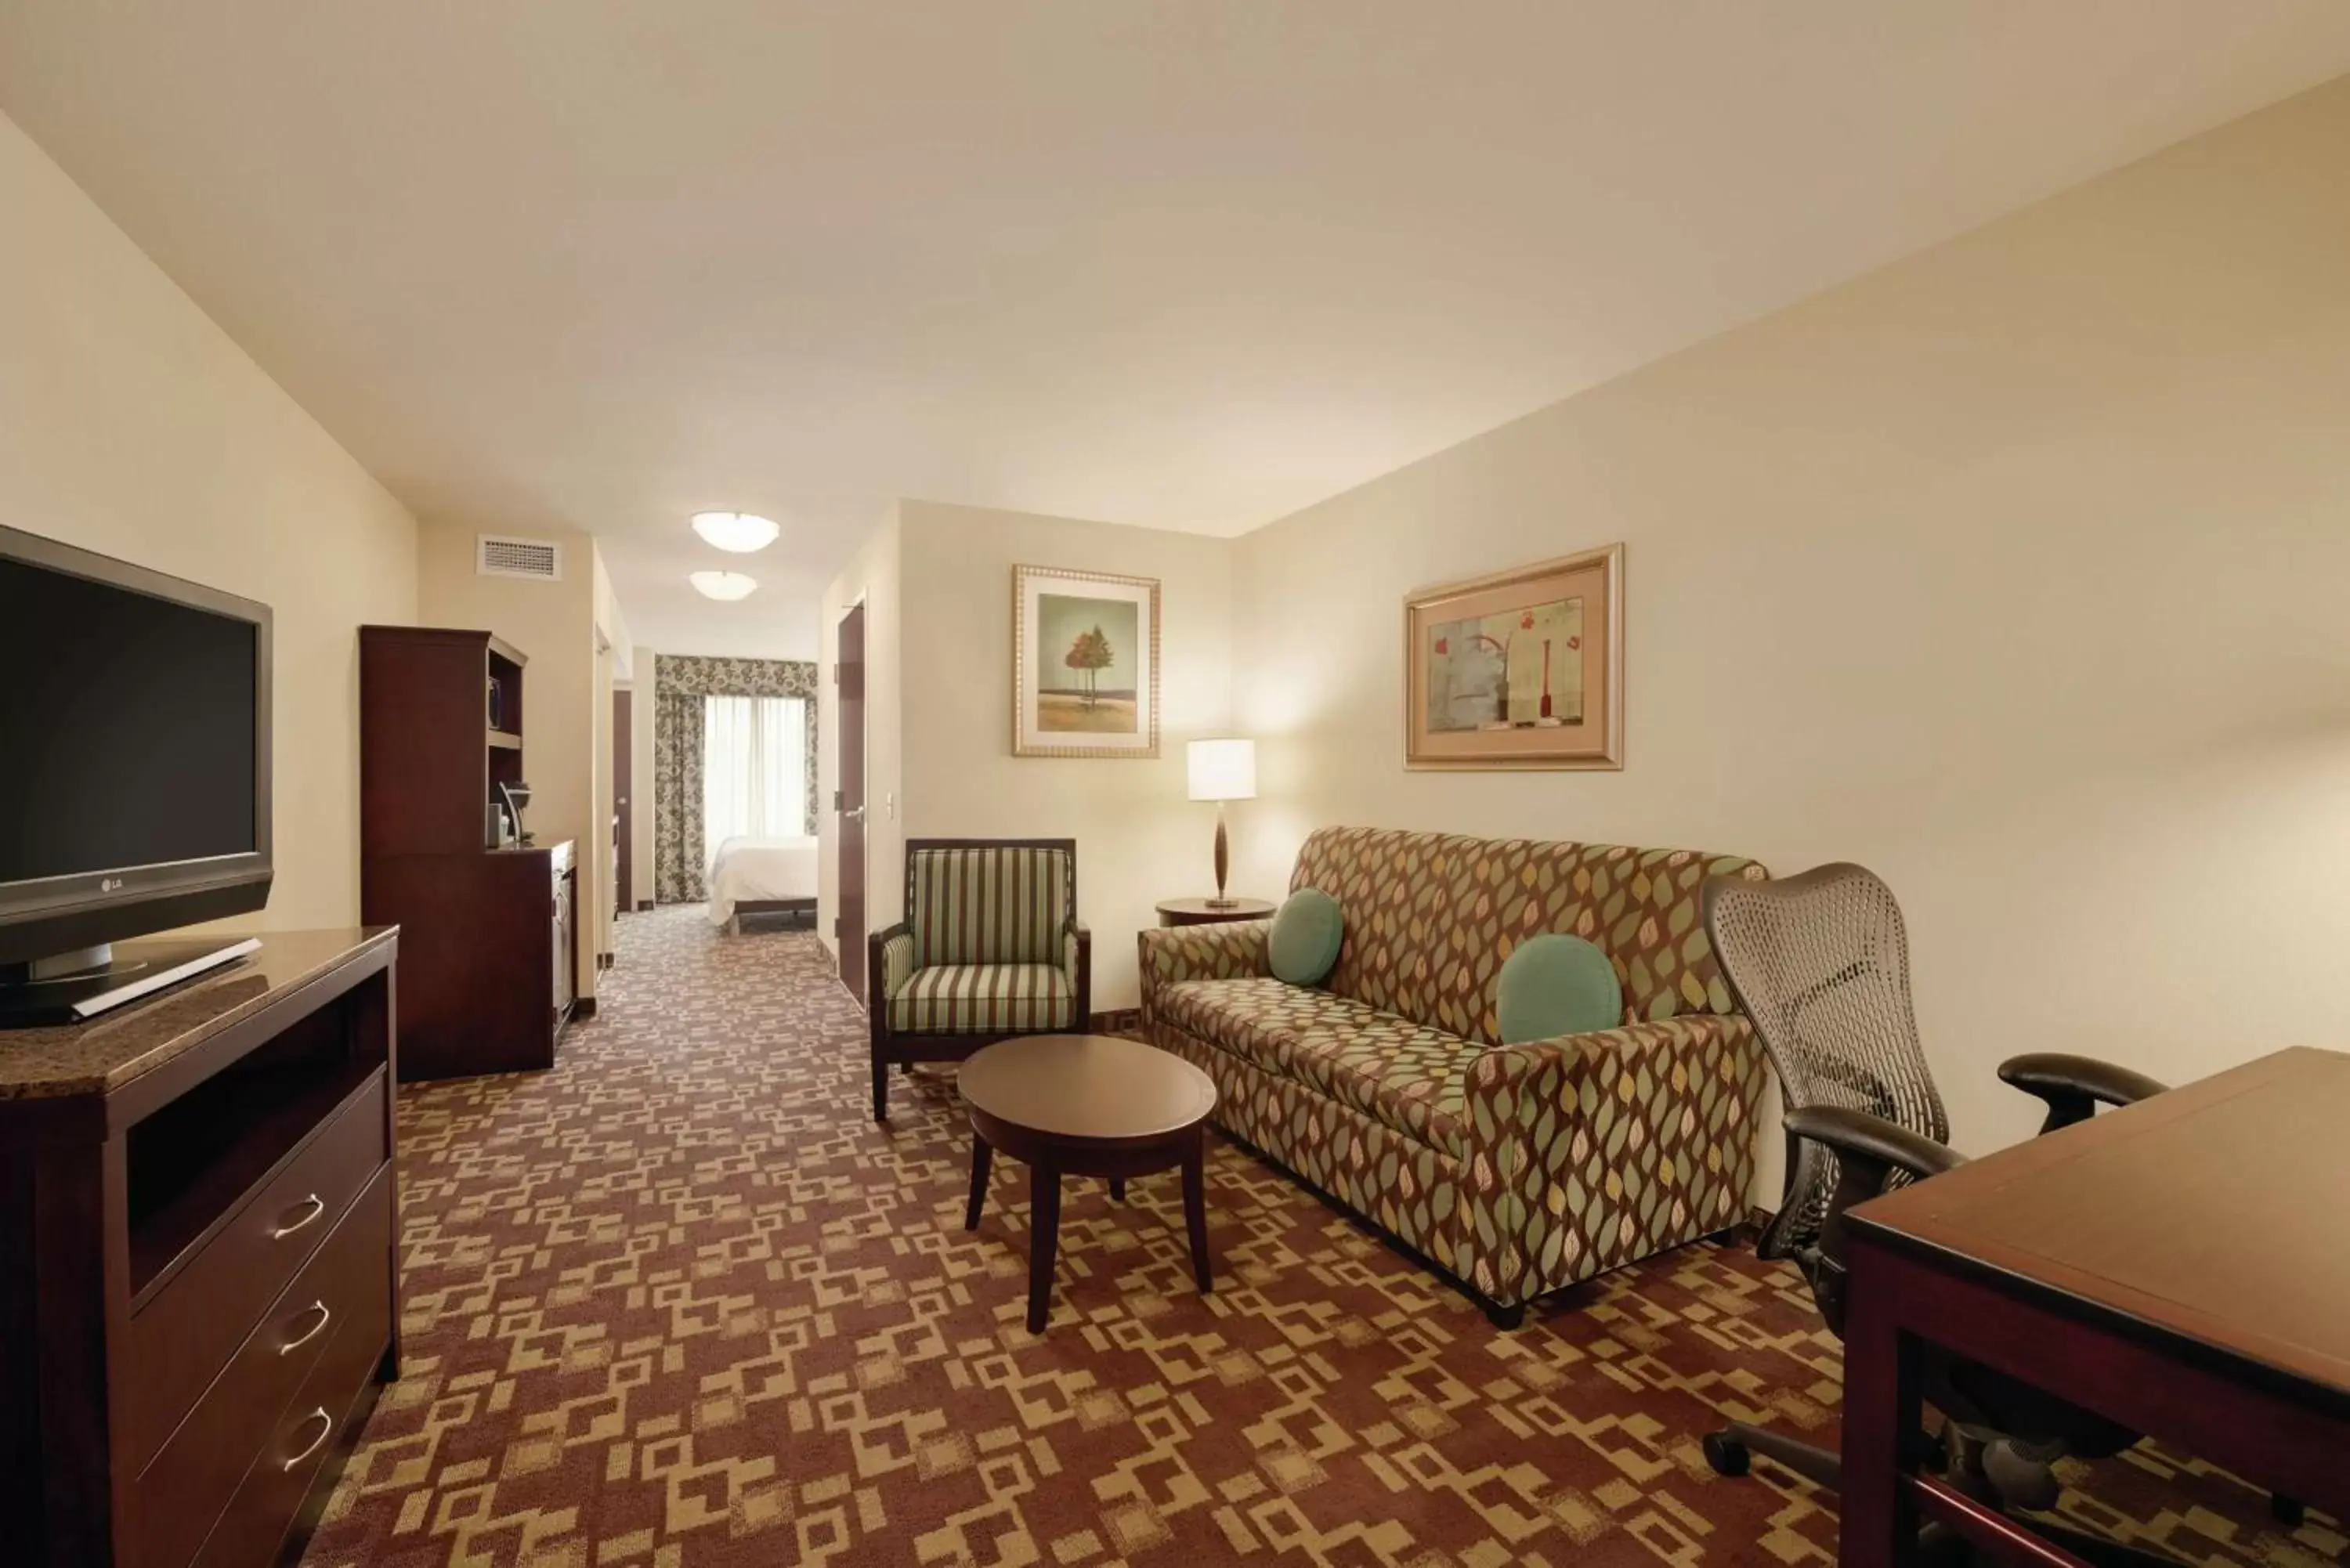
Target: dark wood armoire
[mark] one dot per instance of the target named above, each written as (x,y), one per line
(488,941)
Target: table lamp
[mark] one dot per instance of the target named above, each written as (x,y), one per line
(1221,771)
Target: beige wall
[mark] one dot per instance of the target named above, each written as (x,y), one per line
(554,625)
(873,577)
(131,425)
(2015,571)
(1138,839)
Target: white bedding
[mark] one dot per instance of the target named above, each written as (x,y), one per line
(756,870)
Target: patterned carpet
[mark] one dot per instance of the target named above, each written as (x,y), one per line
(680,1303)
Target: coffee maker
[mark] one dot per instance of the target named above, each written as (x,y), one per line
(506,831)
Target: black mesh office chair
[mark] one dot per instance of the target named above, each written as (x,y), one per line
(1821,963)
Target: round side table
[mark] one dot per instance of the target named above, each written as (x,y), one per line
(1208,912)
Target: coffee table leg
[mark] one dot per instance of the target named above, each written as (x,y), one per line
(1118,1189)
(1195,1208)
(980,1158)
(1044,1234)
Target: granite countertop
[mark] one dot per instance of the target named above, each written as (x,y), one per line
(99,1056)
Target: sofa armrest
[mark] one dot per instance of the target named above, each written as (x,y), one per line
(1233,950)
(1589,1150)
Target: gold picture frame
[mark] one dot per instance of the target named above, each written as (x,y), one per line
(1521,670)
(1084,664)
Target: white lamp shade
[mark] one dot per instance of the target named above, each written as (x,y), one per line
(1222,770)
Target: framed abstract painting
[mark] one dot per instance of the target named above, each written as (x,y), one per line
(1084,664)
(1523,669)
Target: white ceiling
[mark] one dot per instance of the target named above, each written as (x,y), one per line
(1192,263)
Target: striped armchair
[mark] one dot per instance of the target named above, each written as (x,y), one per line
(991,948)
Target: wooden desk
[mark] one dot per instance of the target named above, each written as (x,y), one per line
(2177,1266)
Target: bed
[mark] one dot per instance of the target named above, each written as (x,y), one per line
(762,876)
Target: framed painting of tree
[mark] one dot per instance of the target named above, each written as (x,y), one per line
(1084,664)
(1523,669)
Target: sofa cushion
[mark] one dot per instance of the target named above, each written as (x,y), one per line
(988,903)
(1256,1018)
(1553,985)
(983,998)
(1407,1078)
(1306,933)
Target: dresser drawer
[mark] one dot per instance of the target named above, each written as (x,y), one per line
(347,1281)
(324,1416)
(186,1333)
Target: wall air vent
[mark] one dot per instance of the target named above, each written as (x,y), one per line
(502,556)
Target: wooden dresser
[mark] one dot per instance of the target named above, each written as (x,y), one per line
(488,935)
(199,1277)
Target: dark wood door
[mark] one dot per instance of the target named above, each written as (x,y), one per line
(850,928)
(624,753)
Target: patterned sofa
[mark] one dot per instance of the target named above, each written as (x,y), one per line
(1518,1169)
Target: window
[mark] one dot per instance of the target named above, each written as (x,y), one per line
(755,766)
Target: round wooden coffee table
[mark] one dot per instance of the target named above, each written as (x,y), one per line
(1086,1105)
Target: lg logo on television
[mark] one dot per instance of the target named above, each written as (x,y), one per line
(108,884)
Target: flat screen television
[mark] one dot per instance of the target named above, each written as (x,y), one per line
(134,772)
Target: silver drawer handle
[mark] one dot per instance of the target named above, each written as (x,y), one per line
(326,1430)
(318,1206)
(316,1329)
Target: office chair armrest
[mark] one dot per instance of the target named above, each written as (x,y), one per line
(1859,1139)
(2075,1087)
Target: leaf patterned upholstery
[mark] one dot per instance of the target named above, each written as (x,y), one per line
(1522,1169)
(1430,915)
(1405,1076)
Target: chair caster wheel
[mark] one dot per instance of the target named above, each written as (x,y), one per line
(1726,1454)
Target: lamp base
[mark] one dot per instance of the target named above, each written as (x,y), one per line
(1221,903)
(1223,859)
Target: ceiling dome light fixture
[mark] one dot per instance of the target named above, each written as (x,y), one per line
(723,584)
(739,532)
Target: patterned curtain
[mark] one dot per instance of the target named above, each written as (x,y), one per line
(680,685)
(678,853)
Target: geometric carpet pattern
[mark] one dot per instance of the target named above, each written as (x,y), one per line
(678,1302)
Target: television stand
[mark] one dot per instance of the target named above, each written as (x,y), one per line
(199,1268)
(74,988)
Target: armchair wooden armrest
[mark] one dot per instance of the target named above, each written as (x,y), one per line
(1077,962)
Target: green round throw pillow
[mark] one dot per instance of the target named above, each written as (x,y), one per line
(1306,931)
(1554,985)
